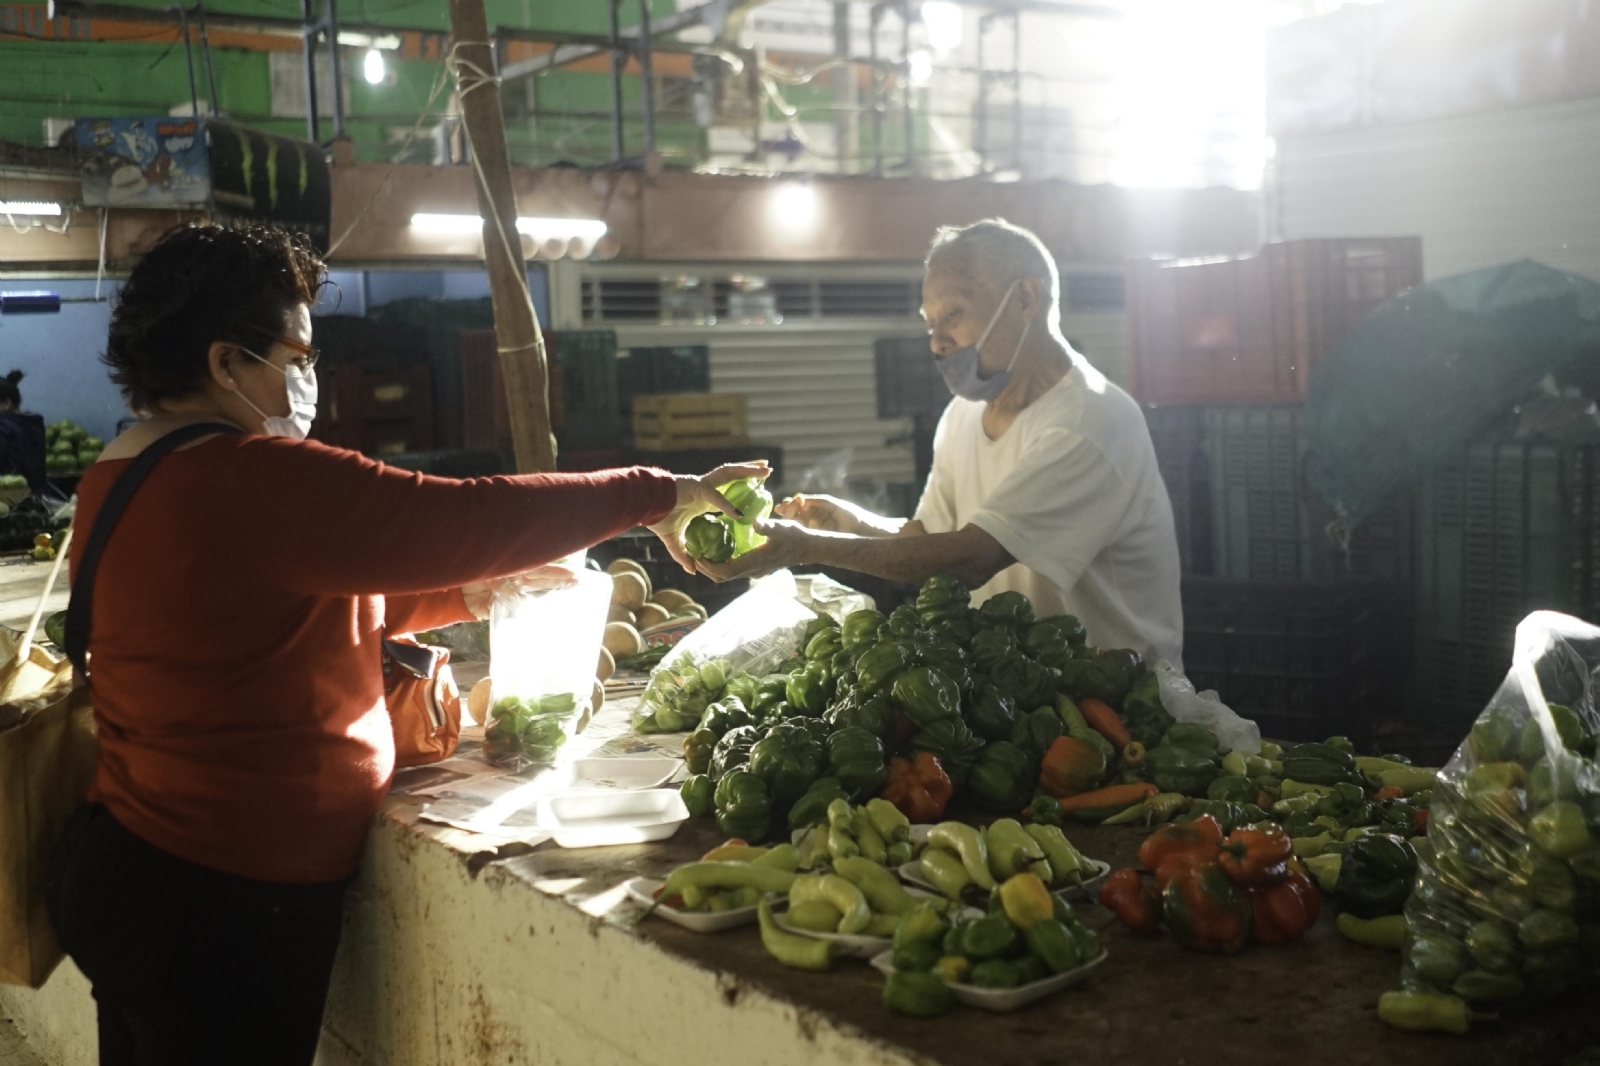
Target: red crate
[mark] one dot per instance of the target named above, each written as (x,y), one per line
(1250,330)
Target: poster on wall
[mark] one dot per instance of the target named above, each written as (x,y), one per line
(144,162)
(270,178)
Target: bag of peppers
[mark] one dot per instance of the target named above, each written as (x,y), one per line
(1506,906)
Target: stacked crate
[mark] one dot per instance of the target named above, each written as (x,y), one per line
(1294,624)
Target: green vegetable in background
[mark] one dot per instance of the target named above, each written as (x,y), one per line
(1560,829)
(942,598)
(904,621)
(995,973)
(743,807)
(857,760)
(1437,958)
(698,795)
(709,537)
(992,714)
(1319,764)
(1546,929)
(1030,684)
(1147,720)
(988,938)
(732,751)
(920,995)
(1180,769)
(809,689)
(926,696)
(754,502)
(1000,779)
(1044,809)
(873,713)
(1191,735)
(1045,631)
(1010,609)
(1034,732)
(1233,789)
(1482,986)
(1376,875)
(1109,676)
(811,809)
(953,744)
(727,713)
(788,759)
(824,646)
(991,646)
(697,749)
(1050,941)
(880,666)
(770,692)
(860,628)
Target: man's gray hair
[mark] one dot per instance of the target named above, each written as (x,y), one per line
(994,251)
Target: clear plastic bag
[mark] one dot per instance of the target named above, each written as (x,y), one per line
(1178,696)
(1506,905)
(751,635)
(545,632)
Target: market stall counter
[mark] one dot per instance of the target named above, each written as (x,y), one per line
(457,955)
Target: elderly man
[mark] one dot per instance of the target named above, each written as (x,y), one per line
(1044,479)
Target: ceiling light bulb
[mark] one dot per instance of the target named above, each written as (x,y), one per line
(373,67)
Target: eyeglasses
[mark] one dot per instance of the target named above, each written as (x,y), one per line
(307,358)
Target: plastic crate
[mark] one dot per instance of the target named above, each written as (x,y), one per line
(1249,330)
(1301,658)
(1178,434)
(908,382)
(676,421)
(1508,528)
(657,371)
(592,415)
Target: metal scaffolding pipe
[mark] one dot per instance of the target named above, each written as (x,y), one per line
(335,75)
(618,59)
(308,30)
(647,82)
(205,51)
(188,58)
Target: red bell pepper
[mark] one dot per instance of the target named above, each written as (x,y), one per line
(919,788)
(1135,902)
(1282,913)
(1200,836)
(1204,910)
(1253,857)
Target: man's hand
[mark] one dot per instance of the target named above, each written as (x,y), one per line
(788,544)
(817,512)
(696,496)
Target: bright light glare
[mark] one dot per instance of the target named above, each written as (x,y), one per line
(540,229)
(1191,93)
(28,207)
(794,207)
(943,21)
(920,63)
(372,67)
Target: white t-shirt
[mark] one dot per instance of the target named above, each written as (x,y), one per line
(1073,493)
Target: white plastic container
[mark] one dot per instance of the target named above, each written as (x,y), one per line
(1007,999)
(642,890)
(633,772)
(603,819)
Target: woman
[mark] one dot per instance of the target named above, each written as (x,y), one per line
(234,660)
(21,436)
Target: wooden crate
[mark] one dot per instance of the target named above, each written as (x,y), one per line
(687,420)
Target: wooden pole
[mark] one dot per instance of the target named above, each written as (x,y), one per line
(522,356)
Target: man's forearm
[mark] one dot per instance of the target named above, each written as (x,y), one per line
(970,555)
(869,524)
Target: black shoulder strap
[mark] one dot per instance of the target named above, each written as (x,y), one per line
(82,601)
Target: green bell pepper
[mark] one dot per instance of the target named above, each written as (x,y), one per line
(741,687)
(1011,609)
(1546,929)
(772,691)
(727,713)
(1229,816)
(809,689)
(1492,945)
(817,625)
(1000,780)
(1232,788)
(1051,943)
(1029,683)
(926,696)
(811,809)
(880,665)
(1495,735)
(953,744)
(1483,986)
(942,598)
(697,749)
(860,628)
(743,808)
(1376,875)
(1045,809)
(916,957)
(1108,676)
(1319,764)
(824,646)
(904,621)
(1191,735)
(995,973)
(872,713)
(1066,625)
(856,757)
(732,751)
(699,795)
(1035,732)
(1050,648)
(918,994)
(788,759)
(992,713)
(1569,729)
(1180,769)
(1561,830)
(709,537)
(988,938)
(1437,958)
(1147,720)
(991,646)
(923,924)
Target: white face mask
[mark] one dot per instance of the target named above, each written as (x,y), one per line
(302,386)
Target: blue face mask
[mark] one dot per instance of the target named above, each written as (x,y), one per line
(960,367)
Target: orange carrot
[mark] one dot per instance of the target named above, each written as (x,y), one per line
(1389,792)
(1104,721)
(1110,796)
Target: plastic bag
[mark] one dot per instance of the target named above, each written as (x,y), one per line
(545,629)
(1186,705)
(751,635)
(1507,896)
(826,596)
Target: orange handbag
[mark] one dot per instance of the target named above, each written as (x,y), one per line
(424,703)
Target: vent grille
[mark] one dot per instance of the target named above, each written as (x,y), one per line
(622,300)
(1095,292)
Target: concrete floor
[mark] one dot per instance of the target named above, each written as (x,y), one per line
(14,1051)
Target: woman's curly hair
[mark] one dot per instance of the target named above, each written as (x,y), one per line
(202,283)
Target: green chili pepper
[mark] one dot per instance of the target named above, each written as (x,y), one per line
(1484,986)
(1424,1012)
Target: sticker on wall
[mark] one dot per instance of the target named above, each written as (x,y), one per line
(144,162)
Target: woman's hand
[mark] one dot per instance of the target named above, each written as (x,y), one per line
(788,544)
(696,496)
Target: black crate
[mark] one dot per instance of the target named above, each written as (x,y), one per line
(908,382)
(1178,434)
(658,371)
(592,416)
(1304,659)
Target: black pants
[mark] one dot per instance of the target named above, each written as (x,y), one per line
(189,965)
